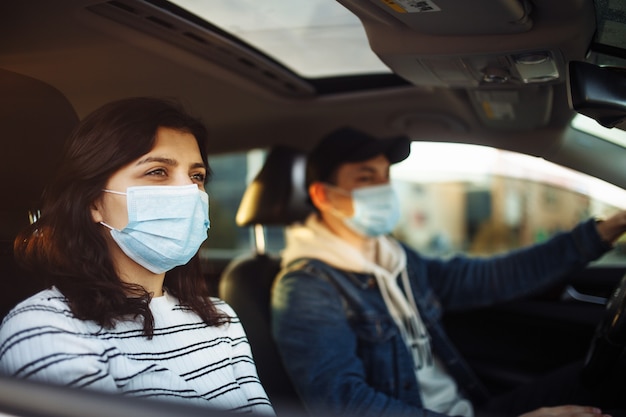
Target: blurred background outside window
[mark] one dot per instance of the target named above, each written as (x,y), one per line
(454,198)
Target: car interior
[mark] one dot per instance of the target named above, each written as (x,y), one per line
(270,79)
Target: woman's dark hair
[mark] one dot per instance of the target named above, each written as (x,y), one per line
(69,249)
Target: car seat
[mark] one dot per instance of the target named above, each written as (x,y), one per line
(35,119)
(277,196)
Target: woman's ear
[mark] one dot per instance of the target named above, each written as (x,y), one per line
(96,212)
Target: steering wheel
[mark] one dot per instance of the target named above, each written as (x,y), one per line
(609,339)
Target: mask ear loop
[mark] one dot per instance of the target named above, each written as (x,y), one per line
(340,190)
(107,226)
(111,192)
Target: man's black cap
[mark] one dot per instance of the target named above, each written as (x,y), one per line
(350,145)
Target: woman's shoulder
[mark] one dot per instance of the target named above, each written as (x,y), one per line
(169,303)
(48,298)
(223,306)
(47,307)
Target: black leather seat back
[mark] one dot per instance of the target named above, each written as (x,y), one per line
(35,120)
(276,197)
(246,286)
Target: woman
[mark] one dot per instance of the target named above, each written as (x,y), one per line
(128,310)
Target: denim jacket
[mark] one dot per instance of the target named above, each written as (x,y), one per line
(342,349)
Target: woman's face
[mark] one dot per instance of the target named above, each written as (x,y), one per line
(175,159)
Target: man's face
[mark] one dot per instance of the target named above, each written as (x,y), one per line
(353,175)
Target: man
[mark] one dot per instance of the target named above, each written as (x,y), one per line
(356,314)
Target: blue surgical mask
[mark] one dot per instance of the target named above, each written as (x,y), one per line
(376,210)
(166,225)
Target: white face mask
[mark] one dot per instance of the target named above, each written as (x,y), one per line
(166,225)
(376,210)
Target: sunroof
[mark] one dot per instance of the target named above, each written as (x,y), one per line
(314,38)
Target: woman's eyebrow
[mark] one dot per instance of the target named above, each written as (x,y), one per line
(197,165)
(166,161)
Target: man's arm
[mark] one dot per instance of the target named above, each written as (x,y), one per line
(463,282)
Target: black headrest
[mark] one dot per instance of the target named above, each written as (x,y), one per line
(277,196)
(35,120)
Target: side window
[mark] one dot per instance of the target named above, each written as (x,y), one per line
(482,201)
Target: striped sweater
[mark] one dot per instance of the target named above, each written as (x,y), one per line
(186,360)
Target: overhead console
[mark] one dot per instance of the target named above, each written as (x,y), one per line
(450,17)
(476,43)
(509,56)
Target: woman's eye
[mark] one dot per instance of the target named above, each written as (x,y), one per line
(200,177)
(157,172)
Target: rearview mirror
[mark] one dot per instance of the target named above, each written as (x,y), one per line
(598,92)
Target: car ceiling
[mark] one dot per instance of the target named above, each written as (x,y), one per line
(95,51)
